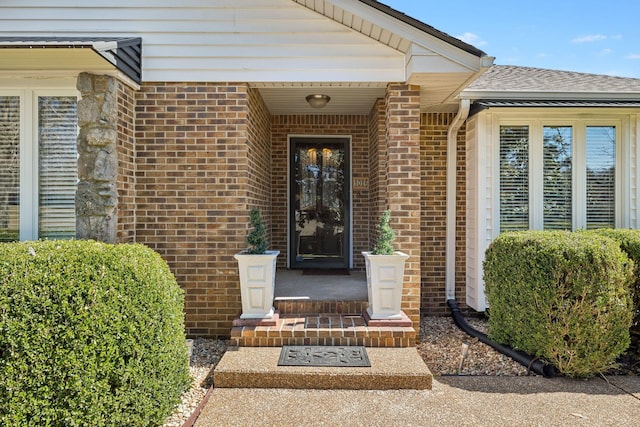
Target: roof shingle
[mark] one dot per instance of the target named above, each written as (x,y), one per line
(509,78)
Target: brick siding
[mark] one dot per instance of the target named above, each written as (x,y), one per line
(433,166)
(192,192)
(206,153)
(403,185)
(126,232)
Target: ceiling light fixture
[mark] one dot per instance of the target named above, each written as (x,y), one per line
(318,100)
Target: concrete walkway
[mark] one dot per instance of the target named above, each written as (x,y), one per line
(453,401)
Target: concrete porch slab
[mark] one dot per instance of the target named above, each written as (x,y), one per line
(257,367)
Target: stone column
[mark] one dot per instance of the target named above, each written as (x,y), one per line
(96,197)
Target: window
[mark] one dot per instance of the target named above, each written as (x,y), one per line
(514,178)
(557,177)
(601,177)
(38,164)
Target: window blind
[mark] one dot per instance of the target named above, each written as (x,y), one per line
(557,171)
(58,165)
(601,160)
(9,168)
(514,178)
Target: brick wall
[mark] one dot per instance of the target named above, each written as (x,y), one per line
(205,153)
(192,180)
(377,167)
(126,232)
(433,165)
(259,156)
(355,126)
(403,185)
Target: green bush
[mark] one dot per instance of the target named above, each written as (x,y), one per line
(629,241)
(91,334)
(561,296)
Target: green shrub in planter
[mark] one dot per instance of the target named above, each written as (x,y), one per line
(91,334)
(560,296)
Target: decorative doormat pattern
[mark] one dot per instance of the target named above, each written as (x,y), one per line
(315,355)
(325,272)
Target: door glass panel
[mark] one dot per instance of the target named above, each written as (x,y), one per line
(319,200)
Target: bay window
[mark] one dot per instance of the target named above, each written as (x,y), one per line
(557,176)
(38,164)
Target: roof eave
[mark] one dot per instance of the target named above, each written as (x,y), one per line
(549,95)
(425,28)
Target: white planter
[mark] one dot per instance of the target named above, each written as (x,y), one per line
(385,276)
(257,282)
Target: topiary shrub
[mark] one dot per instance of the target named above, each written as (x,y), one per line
(560,296)
(257,237)
(386,236)
(90,334)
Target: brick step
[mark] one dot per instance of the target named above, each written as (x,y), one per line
(305,306)
(323,329)
(253,367)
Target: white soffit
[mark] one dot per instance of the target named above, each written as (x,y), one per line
(52,59)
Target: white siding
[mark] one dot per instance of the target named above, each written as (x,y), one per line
(191,40)
(634,182)
(480,216)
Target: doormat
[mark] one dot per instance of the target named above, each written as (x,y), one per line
(325,272)
(315,355)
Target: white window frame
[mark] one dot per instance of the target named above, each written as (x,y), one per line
(29,153)
(579,123)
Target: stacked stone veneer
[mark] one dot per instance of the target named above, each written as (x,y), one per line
(177,166)
(96,197)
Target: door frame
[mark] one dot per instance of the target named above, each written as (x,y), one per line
(349,149)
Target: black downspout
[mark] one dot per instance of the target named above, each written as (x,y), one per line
(532,363)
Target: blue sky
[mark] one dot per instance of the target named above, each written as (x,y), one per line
(590,36)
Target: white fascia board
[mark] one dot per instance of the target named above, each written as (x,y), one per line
(469,61)
(420,59)
(549,95)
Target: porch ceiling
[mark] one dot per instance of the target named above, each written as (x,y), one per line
(437,94)
(282,99)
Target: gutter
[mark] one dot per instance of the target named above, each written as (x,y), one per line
(532,363)
(452,151)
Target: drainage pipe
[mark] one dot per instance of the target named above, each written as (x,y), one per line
(532,363)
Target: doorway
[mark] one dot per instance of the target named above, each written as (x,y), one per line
(319,203)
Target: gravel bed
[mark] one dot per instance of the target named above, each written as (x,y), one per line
(441,347)
(205,356)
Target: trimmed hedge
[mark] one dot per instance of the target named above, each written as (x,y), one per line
(90,334)
(560,296)
(629,241)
